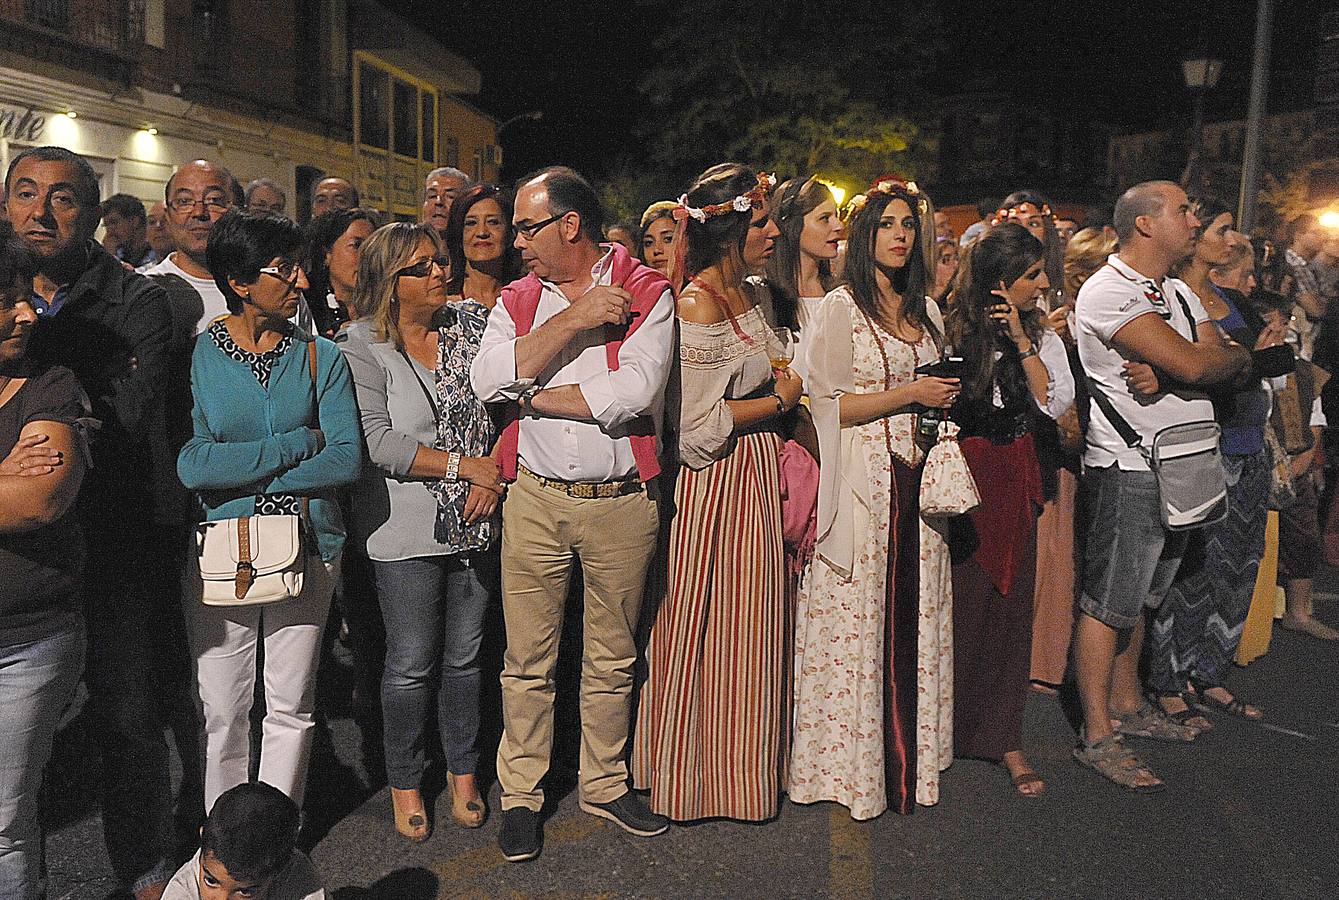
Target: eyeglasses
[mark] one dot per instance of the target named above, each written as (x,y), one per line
(285,271)
(188,204)
(529,231)
(423,267)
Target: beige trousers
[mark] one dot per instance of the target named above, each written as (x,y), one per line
(543,532)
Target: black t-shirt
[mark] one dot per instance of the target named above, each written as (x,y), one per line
(40,570)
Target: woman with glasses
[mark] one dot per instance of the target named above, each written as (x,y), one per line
(481,244)
(426,509)
(266,438)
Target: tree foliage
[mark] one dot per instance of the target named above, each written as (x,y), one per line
(823,87)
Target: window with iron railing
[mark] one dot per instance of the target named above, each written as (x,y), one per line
(112,25)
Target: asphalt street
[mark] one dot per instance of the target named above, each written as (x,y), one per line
(1249,812)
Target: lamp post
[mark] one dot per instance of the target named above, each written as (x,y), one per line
(1201,73)
(534,115)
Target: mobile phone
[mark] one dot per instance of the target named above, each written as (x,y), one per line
(948,367)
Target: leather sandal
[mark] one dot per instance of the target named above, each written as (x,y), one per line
(1149,721)
(465,813)
(1110,758)
(1234,707)
(1190,716)
(411,824)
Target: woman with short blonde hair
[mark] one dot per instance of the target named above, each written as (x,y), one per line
(1087,252)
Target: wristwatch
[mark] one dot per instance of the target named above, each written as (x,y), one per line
(527,400)
(1030,351)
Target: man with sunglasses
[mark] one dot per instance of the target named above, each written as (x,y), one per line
(580,350)
(111,327)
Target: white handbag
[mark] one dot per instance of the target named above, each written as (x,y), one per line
(251,560)
(947,485)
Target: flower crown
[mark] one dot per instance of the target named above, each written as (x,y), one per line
(743,203)
(885,185)
(1015,212)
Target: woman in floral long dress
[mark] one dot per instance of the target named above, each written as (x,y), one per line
(873,643)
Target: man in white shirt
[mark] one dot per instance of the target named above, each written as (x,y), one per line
(198,194)
(1144,340)
(583,345)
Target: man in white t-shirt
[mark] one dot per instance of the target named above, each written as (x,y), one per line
(1146,343)
(197,195)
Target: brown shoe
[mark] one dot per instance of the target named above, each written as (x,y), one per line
(411,819)
(466,813)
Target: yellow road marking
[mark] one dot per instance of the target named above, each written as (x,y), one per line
(457,875)
(850,865)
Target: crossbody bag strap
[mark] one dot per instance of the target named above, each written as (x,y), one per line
(432,404)
(1118,422)
(1185,308)
(316,415)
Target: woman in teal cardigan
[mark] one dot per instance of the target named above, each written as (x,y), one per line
(260,446)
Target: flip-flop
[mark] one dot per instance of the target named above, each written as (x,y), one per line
(1023,778)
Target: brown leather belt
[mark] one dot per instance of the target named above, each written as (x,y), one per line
(588,490)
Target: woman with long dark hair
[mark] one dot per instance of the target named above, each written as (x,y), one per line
(481,244)
(711,735)
(1017,371)
(1198,626)
(873,653)
(331,245)
(799,273)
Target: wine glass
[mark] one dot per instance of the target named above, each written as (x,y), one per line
(781,348)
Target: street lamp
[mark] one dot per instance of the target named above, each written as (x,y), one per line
(534,115)
(1201,73)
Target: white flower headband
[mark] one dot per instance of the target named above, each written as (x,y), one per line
(743,203)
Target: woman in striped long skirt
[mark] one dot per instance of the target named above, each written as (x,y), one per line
(712,724)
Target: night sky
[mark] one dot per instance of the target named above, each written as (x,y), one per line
(1114,62)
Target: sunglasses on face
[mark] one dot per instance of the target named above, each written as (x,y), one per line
(423,267)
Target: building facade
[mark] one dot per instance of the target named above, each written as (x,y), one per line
(292,90)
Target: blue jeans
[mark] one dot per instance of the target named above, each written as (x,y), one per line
(37,682)
(433,607)
(1130,558)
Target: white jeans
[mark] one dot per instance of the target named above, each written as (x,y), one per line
(223,645)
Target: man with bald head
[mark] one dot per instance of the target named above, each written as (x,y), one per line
(197,195)
(333,193)
(1147,345)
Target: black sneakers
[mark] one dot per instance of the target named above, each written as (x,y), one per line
(520,835)
(629,813)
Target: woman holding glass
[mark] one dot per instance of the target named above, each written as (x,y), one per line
(712,734)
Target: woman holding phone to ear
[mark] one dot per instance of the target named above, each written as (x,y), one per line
(1017,371)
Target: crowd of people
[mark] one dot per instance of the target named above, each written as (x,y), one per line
(835,488)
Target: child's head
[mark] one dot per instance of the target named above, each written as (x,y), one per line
(247,839)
